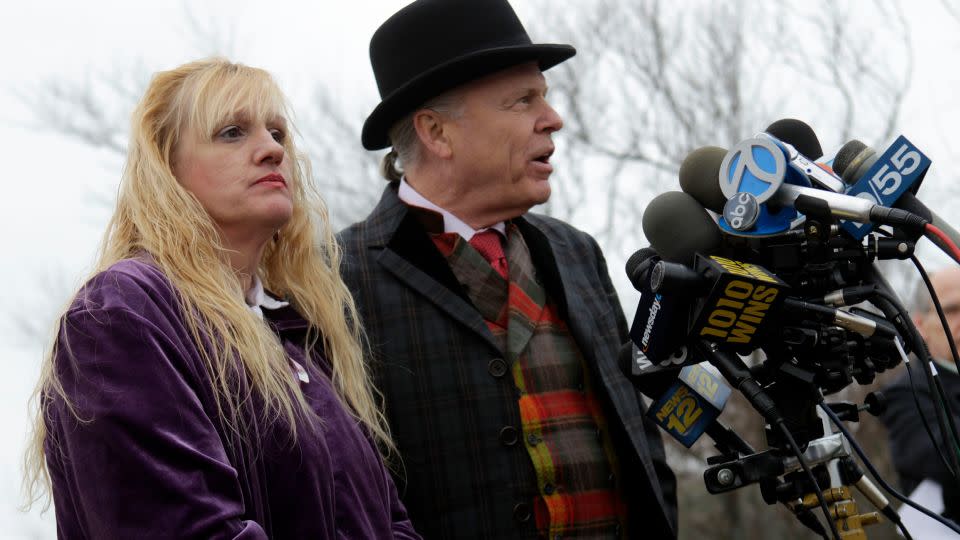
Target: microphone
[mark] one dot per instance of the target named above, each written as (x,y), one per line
(855,159)
(639,263)
(754,172)
(686,401)
(739,297)
(798,134)
(677,227)
(802,147)
(659,325)
(698,177)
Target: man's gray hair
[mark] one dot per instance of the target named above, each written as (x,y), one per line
(403,135)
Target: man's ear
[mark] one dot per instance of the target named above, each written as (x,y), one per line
(433,130)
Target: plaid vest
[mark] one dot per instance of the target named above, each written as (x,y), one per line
(564,431)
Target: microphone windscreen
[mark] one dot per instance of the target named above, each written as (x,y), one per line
(849,153)
(798,134)
(678,227)
(700,177)
(638,263)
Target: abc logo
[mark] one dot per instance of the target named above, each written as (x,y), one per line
(755,166)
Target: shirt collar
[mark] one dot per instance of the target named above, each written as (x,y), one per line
(451,223)
(257,298)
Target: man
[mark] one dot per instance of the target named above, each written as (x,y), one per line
(495,332)
(914,456)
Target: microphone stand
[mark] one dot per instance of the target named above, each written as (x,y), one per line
(843,509)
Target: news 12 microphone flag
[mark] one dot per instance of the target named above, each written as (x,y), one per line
(691,404)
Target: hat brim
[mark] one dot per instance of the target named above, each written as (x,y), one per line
(449,75)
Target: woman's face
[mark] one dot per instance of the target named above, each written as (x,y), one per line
(240,174)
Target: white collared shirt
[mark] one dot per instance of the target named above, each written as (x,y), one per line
(451,223)
(257,300)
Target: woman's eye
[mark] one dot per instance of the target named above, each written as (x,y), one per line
(230,132)
(278,135)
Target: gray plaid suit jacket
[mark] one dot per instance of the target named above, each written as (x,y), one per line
(453,415)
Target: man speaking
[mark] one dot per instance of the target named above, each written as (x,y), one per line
(495,332)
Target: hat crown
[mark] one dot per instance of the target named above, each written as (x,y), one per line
(431,46)
(430,33)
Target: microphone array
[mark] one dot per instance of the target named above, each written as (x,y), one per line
(762,252)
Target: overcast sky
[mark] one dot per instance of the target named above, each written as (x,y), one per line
(52,225)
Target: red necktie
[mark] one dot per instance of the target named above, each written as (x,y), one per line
(488,244)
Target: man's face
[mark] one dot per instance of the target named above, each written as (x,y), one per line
(947,284)
(501,143)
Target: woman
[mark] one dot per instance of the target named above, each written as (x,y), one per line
(182,400)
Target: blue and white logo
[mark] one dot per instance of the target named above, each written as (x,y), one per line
(900,167)
(755,166)
(750,174)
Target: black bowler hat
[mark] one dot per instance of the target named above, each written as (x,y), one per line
(431,46)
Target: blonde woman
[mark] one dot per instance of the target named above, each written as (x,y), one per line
(208,381)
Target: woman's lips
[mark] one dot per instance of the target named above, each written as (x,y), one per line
(272,179)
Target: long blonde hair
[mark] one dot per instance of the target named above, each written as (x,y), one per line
(156,215)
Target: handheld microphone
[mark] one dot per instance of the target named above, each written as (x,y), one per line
(739,296)
(688,408)
(798,134)
(659,325)
(686,401)
(756,172)
(678,228)
(853,161)
(698,177)
(882,180)
(802,148)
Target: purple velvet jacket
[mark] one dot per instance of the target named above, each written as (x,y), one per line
(149,457)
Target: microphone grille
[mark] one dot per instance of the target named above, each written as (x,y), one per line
(849,153)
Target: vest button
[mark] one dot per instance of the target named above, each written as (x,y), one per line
(549,489)
(533,439)
(497,367)
(509,436)
(521,512)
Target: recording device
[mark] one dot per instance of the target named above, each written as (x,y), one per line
(765,185)
(686,401)
(802,148)
(691,404)
(767,196)
(765,280)
(880,180)
(855,159)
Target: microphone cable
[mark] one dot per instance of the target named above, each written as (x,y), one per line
(942,241)
(947,425)
(813,480)
(876,475)
(939,309)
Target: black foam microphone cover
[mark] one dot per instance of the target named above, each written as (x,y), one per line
(639,263)
(678,227)
(798,134)
(852,161)
(700,177)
